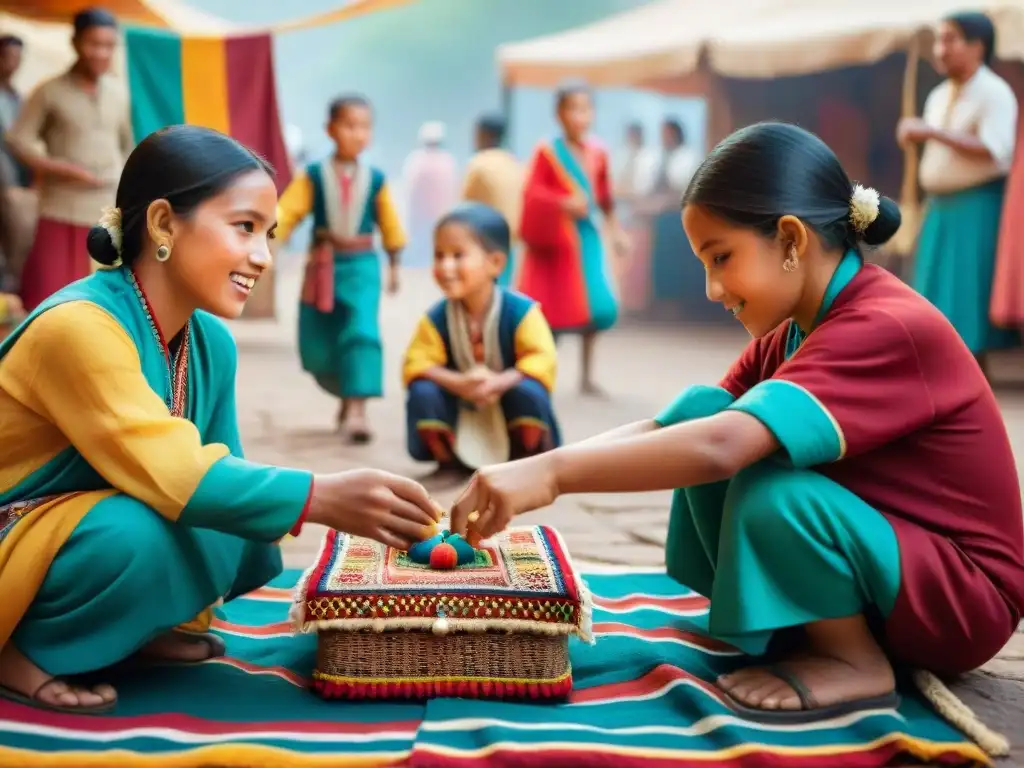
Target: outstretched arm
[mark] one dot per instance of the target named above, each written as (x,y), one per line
(633,429)
(680,456)
(686,454)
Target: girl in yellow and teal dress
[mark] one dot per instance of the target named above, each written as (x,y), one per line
(339,317)
(127,508)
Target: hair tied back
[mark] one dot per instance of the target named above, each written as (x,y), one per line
(111,221)
(865,203)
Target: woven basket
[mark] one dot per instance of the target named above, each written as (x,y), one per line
(390,628)
(414,665)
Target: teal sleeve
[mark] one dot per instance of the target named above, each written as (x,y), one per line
(250,500)
(696,402)
(223,426)
(239,497)
(802,425)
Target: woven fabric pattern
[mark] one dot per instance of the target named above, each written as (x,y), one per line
(521,582)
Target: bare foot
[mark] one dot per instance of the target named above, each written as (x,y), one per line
(20,675)
(177,646)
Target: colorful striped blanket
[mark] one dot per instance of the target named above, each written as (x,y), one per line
(643,697)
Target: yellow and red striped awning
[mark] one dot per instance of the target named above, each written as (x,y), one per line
(183,17)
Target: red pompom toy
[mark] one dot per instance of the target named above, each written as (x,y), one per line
(444,557)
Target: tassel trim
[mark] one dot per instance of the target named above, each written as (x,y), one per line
(297,611)
(508,626)
(337,687)
(585,609)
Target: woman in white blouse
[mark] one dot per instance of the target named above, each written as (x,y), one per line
(677,284)
(968,131)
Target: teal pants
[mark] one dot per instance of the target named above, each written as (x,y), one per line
(776,547)
(342,349)
(127,575)
(956,262)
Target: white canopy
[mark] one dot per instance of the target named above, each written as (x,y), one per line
(740,38)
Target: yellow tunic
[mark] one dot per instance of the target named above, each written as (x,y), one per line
(535,354)
(296,203)
(80,422)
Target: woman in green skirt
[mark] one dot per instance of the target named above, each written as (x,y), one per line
(969,130)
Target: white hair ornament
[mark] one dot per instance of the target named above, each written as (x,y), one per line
(110,220)
(864,206)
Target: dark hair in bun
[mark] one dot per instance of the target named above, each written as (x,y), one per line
(100,246)
(769,170)
(185,165)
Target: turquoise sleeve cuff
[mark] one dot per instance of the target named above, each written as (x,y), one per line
(249,500)
(696,402)
(802,425)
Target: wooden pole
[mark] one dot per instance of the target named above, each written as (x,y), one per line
(905,239)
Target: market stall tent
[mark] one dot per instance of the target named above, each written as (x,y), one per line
(727,50)
(669,39)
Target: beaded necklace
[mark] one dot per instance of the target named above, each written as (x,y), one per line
(177,368)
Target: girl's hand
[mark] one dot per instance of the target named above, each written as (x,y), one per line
(393,510)
(498,493)
(393,280)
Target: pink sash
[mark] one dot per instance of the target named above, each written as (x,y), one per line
(318,281)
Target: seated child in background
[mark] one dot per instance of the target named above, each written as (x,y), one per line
(480,368)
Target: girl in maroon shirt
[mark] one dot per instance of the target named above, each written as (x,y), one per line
(850,479)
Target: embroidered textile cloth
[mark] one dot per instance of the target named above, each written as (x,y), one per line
(522,581)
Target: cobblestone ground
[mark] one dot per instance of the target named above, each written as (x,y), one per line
(285,419)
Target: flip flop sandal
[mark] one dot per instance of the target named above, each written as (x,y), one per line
(810,711)
(34,701)
(214,642)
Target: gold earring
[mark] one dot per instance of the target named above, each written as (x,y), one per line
(163,253)
(791,264)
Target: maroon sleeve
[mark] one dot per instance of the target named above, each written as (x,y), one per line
(862,370)
(749,368)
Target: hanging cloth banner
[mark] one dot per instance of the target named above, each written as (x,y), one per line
(224,83)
